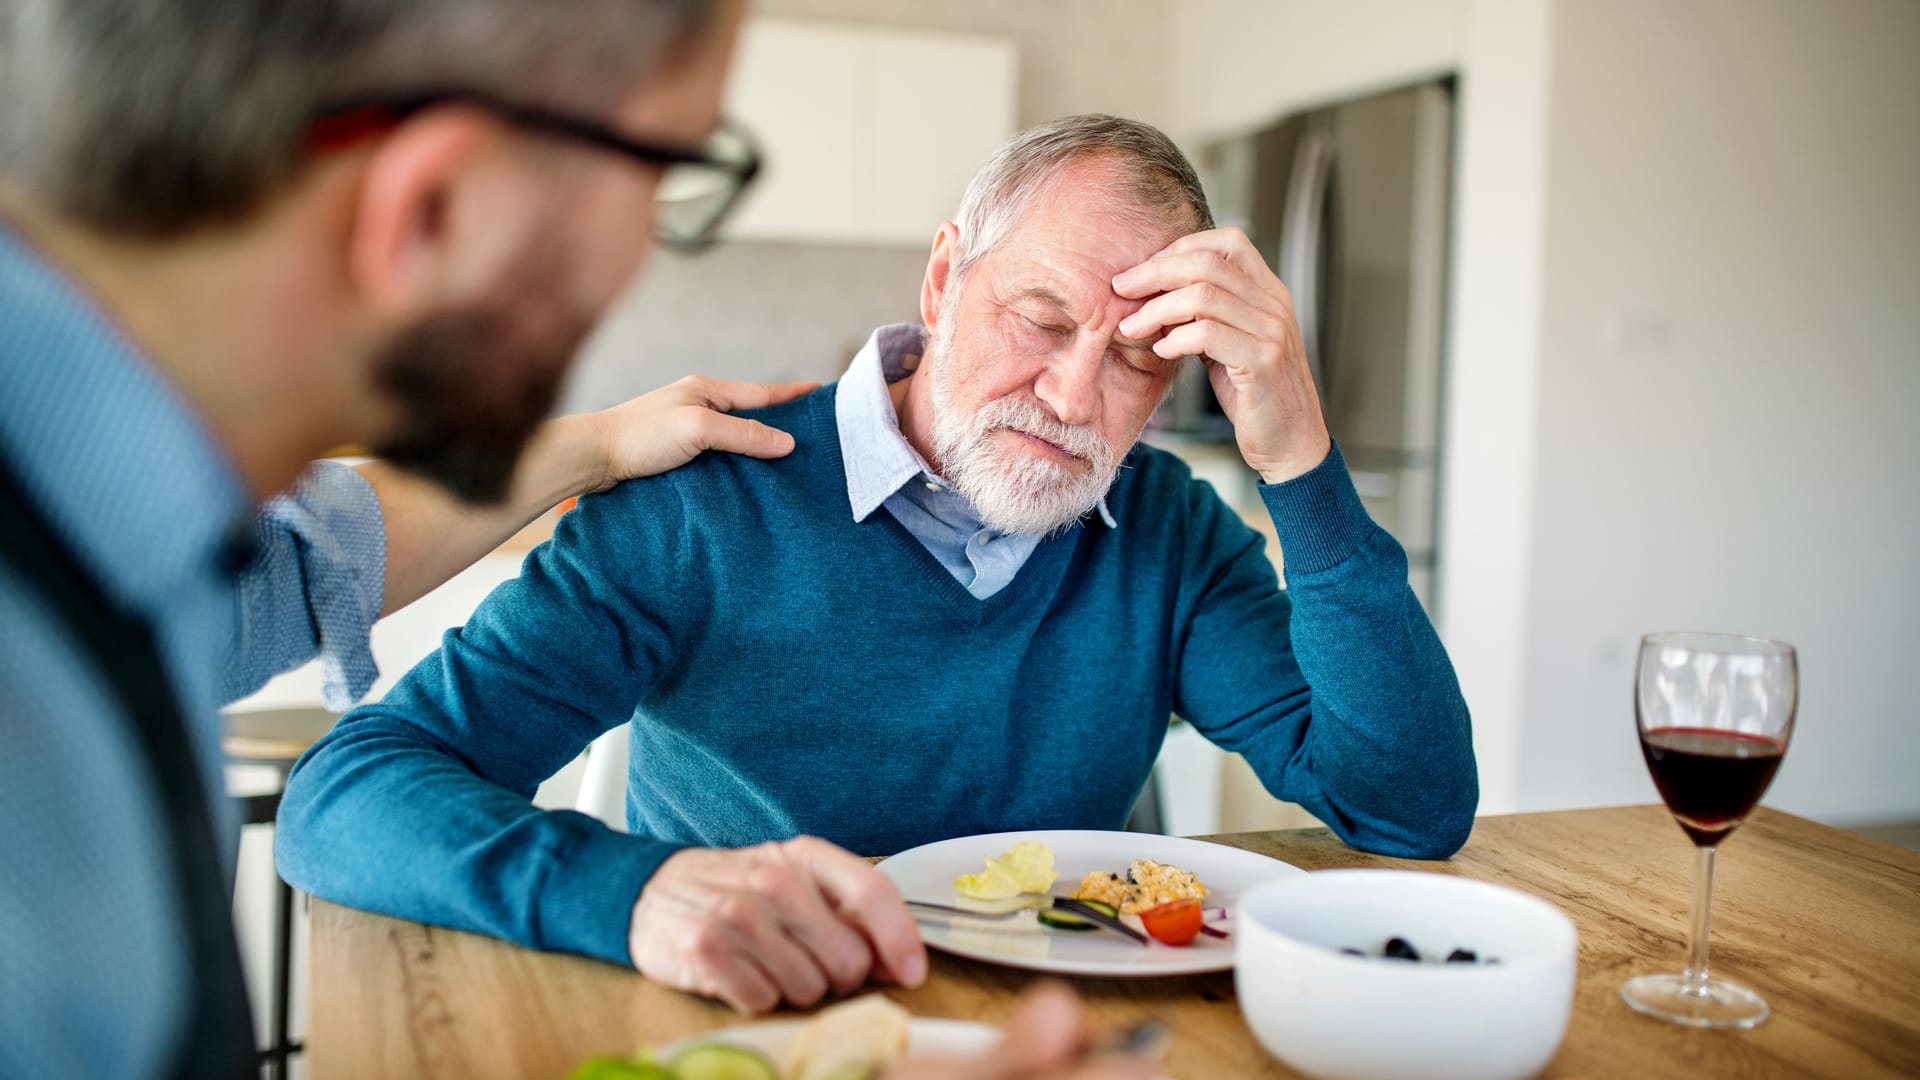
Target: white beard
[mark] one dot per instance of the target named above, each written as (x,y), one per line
(1013,491)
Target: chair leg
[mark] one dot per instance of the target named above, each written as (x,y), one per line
(282,981)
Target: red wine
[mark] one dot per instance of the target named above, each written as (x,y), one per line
(1710,779)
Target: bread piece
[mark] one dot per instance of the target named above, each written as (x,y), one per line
(854,1039)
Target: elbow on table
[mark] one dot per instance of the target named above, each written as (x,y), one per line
(297,826)
(1434,827)
(1430,838)
(1439,820)
(1446,834)
(1451,821)
(1446,814)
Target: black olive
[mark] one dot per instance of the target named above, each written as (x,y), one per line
(1399,949)
(1351,952)
(1462,956)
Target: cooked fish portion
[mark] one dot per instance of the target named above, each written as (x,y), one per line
(1146,886)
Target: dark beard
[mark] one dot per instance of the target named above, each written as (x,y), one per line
(473,384)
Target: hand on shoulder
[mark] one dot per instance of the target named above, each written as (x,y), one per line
(665,429)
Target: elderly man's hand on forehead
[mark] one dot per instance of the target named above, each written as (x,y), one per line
(1218,300)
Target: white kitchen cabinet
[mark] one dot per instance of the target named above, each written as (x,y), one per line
(869,135)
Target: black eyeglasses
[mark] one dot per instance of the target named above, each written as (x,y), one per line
(701,184)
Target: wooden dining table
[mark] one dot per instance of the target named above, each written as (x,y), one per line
(1823,923)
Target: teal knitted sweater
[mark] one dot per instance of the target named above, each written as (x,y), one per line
(786,670)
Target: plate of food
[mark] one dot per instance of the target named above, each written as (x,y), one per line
(854,1040)
(1112,904)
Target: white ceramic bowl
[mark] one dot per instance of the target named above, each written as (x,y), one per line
(1362,1018)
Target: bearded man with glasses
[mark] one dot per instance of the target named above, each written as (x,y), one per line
(207,280)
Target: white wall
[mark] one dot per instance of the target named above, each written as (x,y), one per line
(1729,381)
(1493,356)
(1075,55)
(1237,64)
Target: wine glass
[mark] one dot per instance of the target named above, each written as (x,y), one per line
(1715,712)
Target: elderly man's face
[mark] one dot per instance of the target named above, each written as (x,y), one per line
(1036,396)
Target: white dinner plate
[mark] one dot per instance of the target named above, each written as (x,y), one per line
(927,873)
(770,1037)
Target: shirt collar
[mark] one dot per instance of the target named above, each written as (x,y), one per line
(108,447)
(879,459)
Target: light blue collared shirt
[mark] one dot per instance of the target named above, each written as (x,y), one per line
(883,469)
(91,954)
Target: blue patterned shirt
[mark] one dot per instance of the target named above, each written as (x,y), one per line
(883,469)
(91,958)
(315,587)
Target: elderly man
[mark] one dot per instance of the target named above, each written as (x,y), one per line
(967,602)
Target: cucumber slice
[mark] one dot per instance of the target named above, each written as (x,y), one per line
(1061,920)
(717,1061)
(607,1068)
(1106,909)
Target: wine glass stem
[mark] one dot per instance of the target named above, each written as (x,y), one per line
(1696,973)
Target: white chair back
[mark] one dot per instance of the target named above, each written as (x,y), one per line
(603,788)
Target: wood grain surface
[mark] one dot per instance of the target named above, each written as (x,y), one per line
(1822,923)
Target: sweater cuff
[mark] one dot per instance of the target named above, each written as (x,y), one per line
(1318,516)
(587,902)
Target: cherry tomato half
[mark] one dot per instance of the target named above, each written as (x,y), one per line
(1175,922)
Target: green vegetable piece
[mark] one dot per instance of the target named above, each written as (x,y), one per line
(1061,920)
(719,1061)
(608,1068)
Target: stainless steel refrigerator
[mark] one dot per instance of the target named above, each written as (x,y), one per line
(1350,204)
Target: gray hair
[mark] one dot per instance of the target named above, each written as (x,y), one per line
(152,117)
(1154,178)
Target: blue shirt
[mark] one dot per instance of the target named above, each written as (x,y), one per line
(883,469)
(768,654)
(148,503)
(315,588)
(132,481)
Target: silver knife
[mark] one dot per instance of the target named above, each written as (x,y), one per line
(1060,903)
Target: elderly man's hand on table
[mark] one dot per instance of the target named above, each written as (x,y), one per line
(1047,1038)
(1217,299)
(792,921)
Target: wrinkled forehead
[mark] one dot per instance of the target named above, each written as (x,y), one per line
(1081,232)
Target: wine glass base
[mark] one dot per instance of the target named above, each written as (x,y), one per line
(1718,1004)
